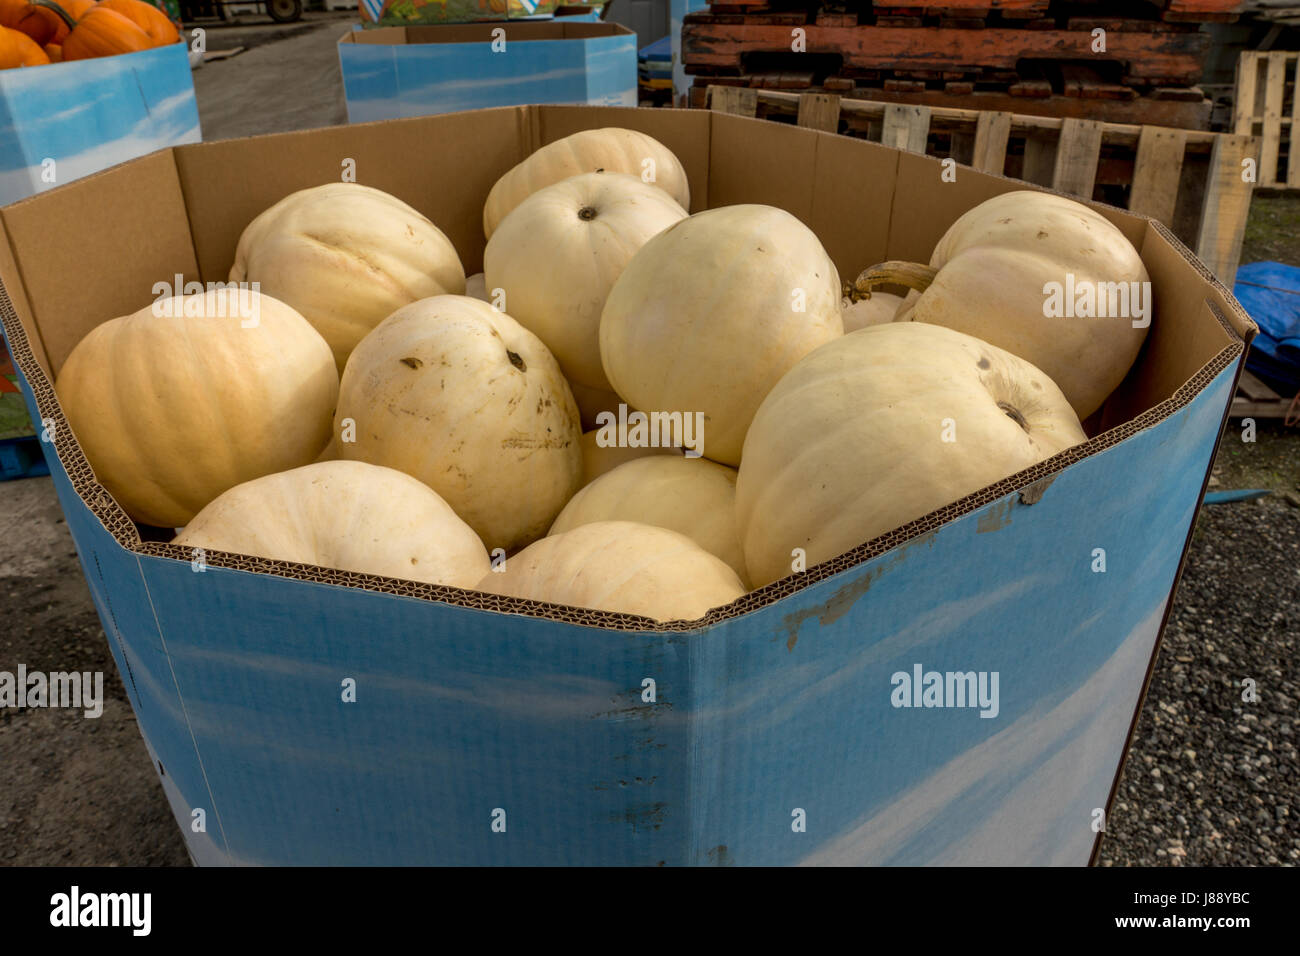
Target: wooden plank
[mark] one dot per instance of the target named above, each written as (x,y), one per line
(1227,204)
(1040,158)
(819,111)
(991,132)
(1293,139)
(1243,98)
(1274,85)
(1157,172)
(1075,170)
(1254,389)
(737,100)
(906,127)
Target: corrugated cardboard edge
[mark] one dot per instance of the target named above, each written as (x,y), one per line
(1234,320)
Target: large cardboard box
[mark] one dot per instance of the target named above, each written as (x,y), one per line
(420,71)
(399,13)
(64,120)
(772,736)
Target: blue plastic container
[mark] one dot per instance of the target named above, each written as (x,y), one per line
(488,730)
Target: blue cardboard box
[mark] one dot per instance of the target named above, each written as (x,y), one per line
(64,120)
(420,71)
(489,730)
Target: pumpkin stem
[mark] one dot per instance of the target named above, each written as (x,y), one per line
(58,10)
(912,275)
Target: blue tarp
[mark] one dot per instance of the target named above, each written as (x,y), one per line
(1270,292)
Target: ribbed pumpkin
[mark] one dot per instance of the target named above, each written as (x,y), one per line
(100,32)
(18,49)
(184,399)
(155,24)
(346,515)
(346,256)
(881,427)
(589,227)
(693,496)
(40,24)
(610,150)
(470,402)
(619,566)
(710,313)
(989,276)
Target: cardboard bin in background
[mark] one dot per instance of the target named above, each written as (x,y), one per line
(473,708)
(420,71)
(64,120)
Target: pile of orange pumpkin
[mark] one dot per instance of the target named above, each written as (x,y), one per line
(37,32)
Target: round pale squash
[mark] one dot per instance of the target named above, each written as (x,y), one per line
(990,276)
(589,226)
(610,150)
(346,515)
(710,313)
(880,308)
(597,459)
(193,395)
(470,402)
(619,566)
(693,496)
(884,426)
(346,256)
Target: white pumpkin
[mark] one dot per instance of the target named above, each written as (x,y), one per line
(710,313)
(557,254)
(346,515)
(346,256)
(880,308)
(694,496)
(610,150)
(884,426)
(196,394)
(597,459)
(619,566)
(470,402)
(990,274)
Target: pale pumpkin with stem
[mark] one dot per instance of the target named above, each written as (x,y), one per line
(193,395)
(470,402)
(346,515)
(611,150)
(711,312)
(989,277)
(346,256)
(694,496)
(619,566)
(586,228)
(882,427)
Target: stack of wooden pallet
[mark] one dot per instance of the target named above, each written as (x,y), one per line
(1095,59)
(1191,180)
(1267,104)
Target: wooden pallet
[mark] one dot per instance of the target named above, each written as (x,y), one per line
(1266,104)
(1188,179)
(1254,399)
(713,44)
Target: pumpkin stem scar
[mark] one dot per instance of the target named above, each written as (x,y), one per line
(912,275)
(516,360)
(586,213)
(1013,413)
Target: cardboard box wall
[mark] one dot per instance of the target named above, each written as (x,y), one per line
(422,71)
(776,708)
(65,120)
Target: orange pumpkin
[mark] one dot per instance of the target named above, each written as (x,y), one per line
(54,51)
(156,24)
(40,24)
(99,32)
(18,49)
